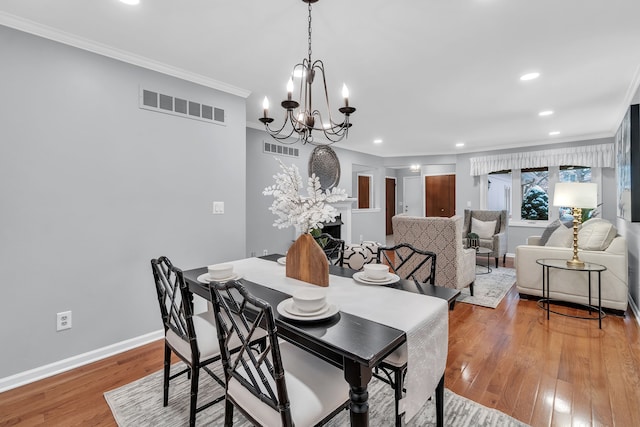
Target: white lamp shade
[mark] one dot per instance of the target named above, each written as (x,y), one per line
(575,195)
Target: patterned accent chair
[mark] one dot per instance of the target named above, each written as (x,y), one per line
(356,256)
(497,242)
(443,236)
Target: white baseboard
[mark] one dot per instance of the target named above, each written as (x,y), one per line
(60,366)
(635,310)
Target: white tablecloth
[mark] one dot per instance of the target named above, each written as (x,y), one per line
(424,319)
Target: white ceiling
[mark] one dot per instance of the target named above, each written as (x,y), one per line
(423,74)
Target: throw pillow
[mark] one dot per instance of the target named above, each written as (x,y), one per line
(551,228)
(484,229)
(596,234)
(561,238)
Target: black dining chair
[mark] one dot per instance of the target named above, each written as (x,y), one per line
(408,263)
(187,335)
(280,385)
(333,248)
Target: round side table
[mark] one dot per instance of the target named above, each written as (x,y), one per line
(561,264)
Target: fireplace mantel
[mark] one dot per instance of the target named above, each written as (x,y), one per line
(345,209)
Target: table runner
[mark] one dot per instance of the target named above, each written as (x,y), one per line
(424,319)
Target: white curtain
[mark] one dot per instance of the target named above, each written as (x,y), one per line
(601,156)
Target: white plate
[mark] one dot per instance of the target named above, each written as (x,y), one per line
(282,260)
(331,311)
(204,278)
(360,277)
(292,309)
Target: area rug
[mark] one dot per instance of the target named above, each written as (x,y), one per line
(140,404)
(489,289)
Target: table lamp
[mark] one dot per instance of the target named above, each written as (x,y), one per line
(576,195)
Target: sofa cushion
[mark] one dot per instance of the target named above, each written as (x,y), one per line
(551,228)
(562,237)
(596,234)
(484,229)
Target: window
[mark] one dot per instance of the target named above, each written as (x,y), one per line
(535,194)
(499,191)
(529,192)
(574,174)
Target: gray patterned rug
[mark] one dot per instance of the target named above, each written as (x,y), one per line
(489,289)
(140,404)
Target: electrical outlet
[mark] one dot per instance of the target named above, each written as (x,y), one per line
(265,252)
(63,321)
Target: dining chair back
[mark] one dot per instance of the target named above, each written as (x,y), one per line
(409,263)
(333,248)
(412,264)
(279,384)
(189,336)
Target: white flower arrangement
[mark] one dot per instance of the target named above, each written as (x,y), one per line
(305,213)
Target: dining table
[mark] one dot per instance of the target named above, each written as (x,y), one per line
(370,324)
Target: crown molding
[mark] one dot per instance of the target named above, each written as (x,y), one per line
(50,33)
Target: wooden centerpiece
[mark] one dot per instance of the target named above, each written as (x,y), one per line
(306,261)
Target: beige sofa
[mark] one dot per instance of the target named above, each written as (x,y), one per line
(455,266)
(572,286)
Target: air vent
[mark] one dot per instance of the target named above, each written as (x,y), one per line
(168,104)
(279,149)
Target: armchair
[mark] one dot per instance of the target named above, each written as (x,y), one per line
(443,236)
(493,238)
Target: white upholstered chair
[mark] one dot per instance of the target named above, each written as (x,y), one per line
(491,227)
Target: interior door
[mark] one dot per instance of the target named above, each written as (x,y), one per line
(412,195)
(364,190)
(390,203)
(440,195)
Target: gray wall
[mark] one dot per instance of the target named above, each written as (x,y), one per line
(261,235)
(92,188)
(631,231)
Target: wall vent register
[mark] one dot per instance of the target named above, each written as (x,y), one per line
(162,103)
(281,150)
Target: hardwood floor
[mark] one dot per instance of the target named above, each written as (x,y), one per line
(559,372)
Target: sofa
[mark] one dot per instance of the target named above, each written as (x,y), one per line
(492,235)
(599,243)
(455,265)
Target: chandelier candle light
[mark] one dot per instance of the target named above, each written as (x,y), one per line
(576,196)
(301,118)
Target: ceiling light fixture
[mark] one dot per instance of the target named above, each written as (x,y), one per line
(529,76)
(377,141)
(130,2)
(301,117)
(460,144)
(554,133)
(545,113)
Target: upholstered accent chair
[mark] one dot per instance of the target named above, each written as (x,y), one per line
(443,236)
(491,235)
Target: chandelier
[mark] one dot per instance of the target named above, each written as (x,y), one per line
(300,116)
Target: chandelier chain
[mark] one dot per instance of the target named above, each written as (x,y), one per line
(309,32)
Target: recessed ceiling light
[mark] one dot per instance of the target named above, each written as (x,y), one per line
(554,133)
(529,76)
(131,2)
(545,113)
(377,141)
(460,144)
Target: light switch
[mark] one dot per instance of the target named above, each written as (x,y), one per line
(218,208)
